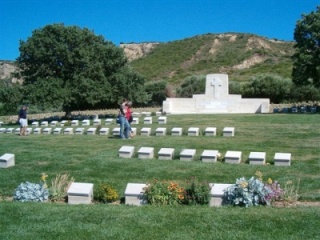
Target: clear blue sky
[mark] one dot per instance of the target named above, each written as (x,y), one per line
(150,20)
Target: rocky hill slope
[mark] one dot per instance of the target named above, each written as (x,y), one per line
(241,56)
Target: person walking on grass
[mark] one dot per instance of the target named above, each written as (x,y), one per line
(129,117)
(124,124)
(23,120)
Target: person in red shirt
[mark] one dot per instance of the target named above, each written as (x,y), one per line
(129,116)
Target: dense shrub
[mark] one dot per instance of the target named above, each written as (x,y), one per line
(305,93)
(192,85)
(192,192)
(271,86)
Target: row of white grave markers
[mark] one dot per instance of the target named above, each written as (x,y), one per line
(233,157)
(145,131)
(82,193)
(95,122)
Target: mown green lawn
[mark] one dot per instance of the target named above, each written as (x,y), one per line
(94,159)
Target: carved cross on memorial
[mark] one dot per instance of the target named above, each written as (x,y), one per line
(216,83)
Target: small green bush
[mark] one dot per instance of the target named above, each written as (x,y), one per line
(105,193)
(196,192)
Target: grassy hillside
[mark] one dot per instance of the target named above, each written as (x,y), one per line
(241,56)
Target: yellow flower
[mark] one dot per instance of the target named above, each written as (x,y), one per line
(244,184)
(43,177)
(259,175)
(269,180)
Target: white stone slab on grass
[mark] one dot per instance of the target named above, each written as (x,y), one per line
(63,122)
(176,131)
(29,130)
(3,130)
(104,131)
(146,153)
(10,130)
(75,123)
(162,120)
(145,131)
(37,131)
(210,131)
(216,193)
(228,132)
(161,131)
(57,130)
(136,114)
(134,194)
(135,120)
(68,131)
(209,156)
(108,121)
(116,132)
(233,157)
(7,160)
(166,154)
(79,131)
(282,159)
(92,131)
(35,124)
(80,193)
(85,122)
(193,131)
(44,123)
(53,123)
(96,122)
(257,158)
(187,154)
(134,130)
(147,120)
(126,151)
(47,131)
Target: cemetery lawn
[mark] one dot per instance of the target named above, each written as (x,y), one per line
(94,159)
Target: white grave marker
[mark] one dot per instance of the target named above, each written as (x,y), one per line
(228,132)
(233,157)
(145,131)
(210,131)
(193,131)
(187,154)
(282,159)
(176,131)
(209,156)
(7,160)
(217,192)
(80,193)
(146,153)
(79,131)
(257,158)
(126,151)
(104,131)
(161,131)
(134,194)
(92,131)
(166,154)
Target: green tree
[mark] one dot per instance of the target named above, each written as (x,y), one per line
(306,60)
(10,97)
(75,69)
